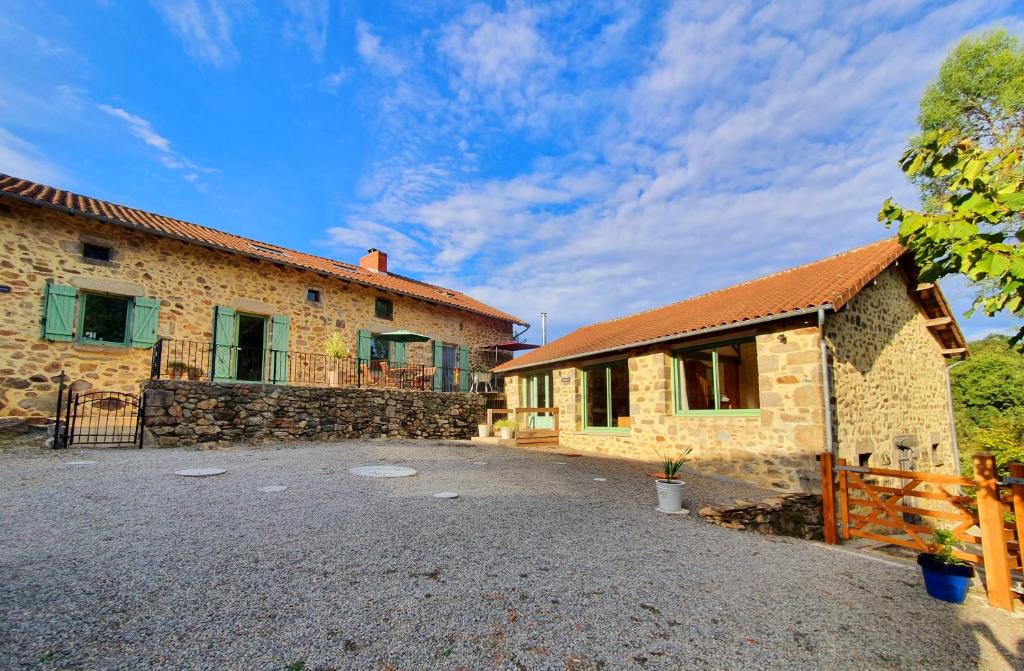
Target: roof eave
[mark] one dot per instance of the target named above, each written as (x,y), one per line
(506,368)
(191,241)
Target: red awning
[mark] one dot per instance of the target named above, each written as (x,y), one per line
(513,346)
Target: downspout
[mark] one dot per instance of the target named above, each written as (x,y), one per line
(826,388)
(954,444)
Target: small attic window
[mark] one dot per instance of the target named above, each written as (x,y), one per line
(313,295)
(268,250)
(96,252)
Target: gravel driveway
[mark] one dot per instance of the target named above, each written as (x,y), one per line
(122,565)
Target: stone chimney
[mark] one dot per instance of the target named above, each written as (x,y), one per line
(374,261)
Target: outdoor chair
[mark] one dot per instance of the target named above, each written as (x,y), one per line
(426,379)
(368,378)
(482,380)
(388,377)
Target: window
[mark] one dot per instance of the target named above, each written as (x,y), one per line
(606,397)
(380,349)
(717,378)
(105,319)
(96,252)
(313,295)
(384,309)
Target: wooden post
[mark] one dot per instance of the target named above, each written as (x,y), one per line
(993,543)
(844,504)
(1017,471)
(828,499)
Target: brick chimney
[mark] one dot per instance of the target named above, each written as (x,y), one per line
(375,261)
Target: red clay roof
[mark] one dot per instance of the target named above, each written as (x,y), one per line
(47,196)
(828,283)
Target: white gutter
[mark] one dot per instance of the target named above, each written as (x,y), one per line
(826,388)
(676,336)
(954,444)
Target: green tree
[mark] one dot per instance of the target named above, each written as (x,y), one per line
(968,163)
(988,397)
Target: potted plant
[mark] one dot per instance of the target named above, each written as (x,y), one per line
(194,372)
(505,428)
(177,369)
(945,577)
(484,430)
(335,349)
(668,485)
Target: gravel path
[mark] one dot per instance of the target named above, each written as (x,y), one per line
(122,565)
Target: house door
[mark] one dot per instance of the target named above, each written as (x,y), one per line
(252,338)
(449,362)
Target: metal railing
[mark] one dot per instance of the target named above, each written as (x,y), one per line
(199,360)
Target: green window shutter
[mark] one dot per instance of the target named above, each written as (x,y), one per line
(438,348)
(145,318)
(364,347)
(463,368)
(280,327)
(398,354)
(59,312)
(224,341)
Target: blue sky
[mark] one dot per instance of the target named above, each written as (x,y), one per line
(586,159)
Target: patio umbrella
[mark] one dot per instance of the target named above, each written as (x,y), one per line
(403,336)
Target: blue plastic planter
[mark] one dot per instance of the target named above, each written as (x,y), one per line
(948,582)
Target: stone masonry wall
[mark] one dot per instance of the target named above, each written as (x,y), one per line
(889,381)
(775,448)
(180,413)
(39,245)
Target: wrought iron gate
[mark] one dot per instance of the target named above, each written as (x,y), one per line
(99,418)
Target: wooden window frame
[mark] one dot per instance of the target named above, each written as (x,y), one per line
(390,316)
(609,430)
(717,411)
(83,302)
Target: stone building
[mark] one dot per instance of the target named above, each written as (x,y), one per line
(89,287)
(737,374)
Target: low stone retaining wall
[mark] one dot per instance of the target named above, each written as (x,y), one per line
(180,412)
(797,515)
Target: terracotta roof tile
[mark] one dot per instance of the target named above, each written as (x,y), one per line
(24,190)
(830,282)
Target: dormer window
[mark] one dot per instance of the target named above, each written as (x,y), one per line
(96,252)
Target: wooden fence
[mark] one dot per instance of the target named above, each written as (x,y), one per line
(902,508)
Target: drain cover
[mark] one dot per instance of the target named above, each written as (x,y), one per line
(273,488)
(383,471)
(200,472)
(446,495)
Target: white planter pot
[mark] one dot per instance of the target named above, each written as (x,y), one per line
(670,495)
(484,430)
(506,434)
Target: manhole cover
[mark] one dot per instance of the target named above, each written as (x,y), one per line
(79,463)
(446,495)
(383,471)
(200,472)
(273,488)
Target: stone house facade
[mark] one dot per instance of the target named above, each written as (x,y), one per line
(74,270)
(846,354)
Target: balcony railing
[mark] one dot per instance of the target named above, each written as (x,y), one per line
(198,360)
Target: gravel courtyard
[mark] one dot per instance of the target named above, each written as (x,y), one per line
(120,564)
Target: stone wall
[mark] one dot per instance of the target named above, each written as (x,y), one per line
(773,448)
(797,515)
(39,245)
(889,380)
(190,413)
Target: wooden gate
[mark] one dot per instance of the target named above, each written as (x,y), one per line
(985,515)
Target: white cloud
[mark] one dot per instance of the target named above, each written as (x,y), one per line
(369,48)
(205,28)
(171,159)
(309,22)
(333,81)
(747,138)
(23,159)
